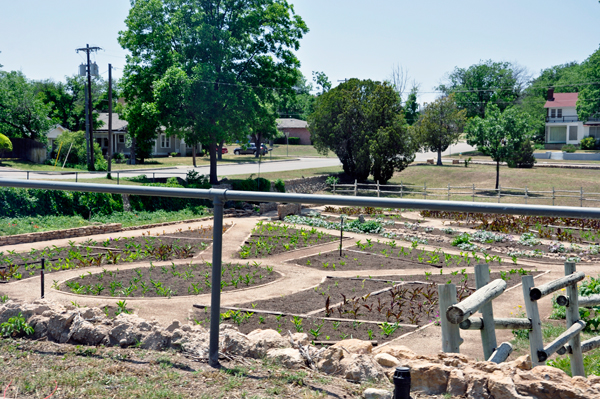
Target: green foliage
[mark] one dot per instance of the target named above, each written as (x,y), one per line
(500,134)
(258,184)
(5,144)
(280,185)
(289,140)
(362,122)
(570,148)
(78,154)
(485,83)
(22,113)
(523,156)
(588,143)
(464,238)
(332,180)
(16,326)
(588,101)
(440,125)
(196,180)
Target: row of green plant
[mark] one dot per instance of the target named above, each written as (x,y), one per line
(269,236)
(355,226)
(591,316)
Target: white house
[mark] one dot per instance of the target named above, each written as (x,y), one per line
(562,123)
(53,134)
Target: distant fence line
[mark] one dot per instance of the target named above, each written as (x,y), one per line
(409,189)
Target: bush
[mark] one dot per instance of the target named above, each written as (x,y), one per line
(569,148)
(194,179)
(78,153)
(5,145)
(523,158)
(119,156)
(258,184)
(588,143)
(16,326)
(291,140)
(280,185)
(331,180)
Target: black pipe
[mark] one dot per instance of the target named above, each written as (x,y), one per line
(42,275)
(402,383)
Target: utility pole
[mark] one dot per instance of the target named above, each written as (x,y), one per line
(89,118)
(110,135)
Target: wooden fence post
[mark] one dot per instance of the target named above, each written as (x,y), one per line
(473,192)
(334,187)
(448,191)
(553,196)
(536,342)
(451,339)
(526,194)
(355,187)
(401,189)
(488,332)
(572,318)
(377,188)
(424,190)
(581,197)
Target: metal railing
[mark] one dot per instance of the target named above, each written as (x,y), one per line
(152,176)
(560,119)
(404,189)
(219,196)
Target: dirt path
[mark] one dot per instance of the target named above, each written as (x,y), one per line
(294,279)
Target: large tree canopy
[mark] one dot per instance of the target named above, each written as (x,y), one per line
(440,125)
(588,103)
(500,135)
(196,65)
(362,122)
(500,83)
(22,114)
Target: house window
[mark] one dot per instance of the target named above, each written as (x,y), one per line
(572,133)
(105,142)
(165,141)
(559,113)
(552,113)
(557,134)
(595,132)
(121,138)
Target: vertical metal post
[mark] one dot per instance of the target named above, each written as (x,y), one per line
(581,198)
(76,176)
(473,192)
(42,276)
(425,190)
(536,341)
(117,178)
(526,194)
(377,188)
(27,175)
(341,233)
(215,300)
(553,196)
(448,191)
(355,187)
(488,332)
(499,190)
(401,190)
(572,317)
(451,339)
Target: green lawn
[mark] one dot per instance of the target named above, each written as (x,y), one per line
(292,174)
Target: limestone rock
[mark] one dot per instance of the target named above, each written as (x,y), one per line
(263,340)
(372,393)
(477,388)
(288,357)
(329,361)
(431,378)
(522,362)
(501,386)
(174,325)
(356,346)
(386,360)
(301,338)
(87,333)
(398,351)
(359,367)
(58,326)
(156,340)
(234,342)
(457,383)
(284,210)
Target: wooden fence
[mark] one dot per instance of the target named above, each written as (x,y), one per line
(404,189)
(456,316)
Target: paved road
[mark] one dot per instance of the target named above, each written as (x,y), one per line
(222,170)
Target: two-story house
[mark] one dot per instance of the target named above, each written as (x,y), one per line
(562,123)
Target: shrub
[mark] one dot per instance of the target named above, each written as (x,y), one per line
(194,179)
(279,185)
(16,326)
(258,184)
(523,158)
(588,143)
(331,180)
(291,140)
(569,148)
(119,156)
(78,153)
(5,145)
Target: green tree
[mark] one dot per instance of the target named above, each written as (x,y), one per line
(501,83)
(411,107)
(22,114)
(321,81)
(5,145)
(588,101)
(500,135)
(297,104)
(440,125)
(362,122)
(73,144)
(217,55)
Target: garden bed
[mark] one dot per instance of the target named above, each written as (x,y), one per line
(168,281)
(274,238)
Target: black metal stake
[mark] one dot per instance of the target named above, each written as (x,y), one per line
(402,383)
(341,233)
(42,275)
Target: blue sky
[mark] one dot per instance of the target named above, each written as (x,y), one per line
(347,38)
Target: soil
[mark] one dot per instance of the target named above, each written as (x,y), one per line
(358,258)
(264,242)
(167,281)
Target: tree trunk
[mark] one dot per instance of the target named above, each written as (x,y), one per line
(212,150)
(194,155)
(439,161)
(257,142)
(497,174)
(220,151)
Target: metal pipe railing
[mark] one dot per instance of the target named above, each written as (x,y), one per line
(219,196)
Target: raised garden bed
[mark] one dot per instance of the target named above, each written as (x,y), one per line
(273,238)
(168,281)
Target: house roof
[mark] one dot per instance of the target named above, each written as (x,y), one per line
(117,124)
(291,123)
(562,100)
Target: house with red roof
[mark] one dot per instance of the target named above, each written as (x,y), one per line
(562,123)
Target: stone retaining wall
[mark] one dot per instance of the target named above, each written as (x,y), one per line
(150,226)
(308,185)
(58,234)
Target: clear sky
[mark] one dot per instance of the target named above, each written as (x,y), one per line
(347,38)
